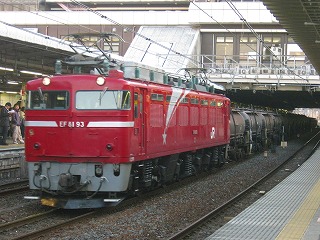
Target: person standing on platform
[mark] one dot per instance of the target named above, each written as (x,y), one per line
(4,123)
(16,122)
(22,118)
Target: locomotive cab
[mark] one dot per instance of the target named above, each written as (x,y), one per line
(78,135)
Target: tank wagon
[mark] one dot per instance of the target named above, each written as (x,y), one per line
(254,131)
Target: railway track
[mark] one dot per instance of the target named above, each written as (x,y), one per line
(14,187)
(57,219)
(38,225)
(42,224)
(60,221)
(201,225)
(42,232)
(26,220)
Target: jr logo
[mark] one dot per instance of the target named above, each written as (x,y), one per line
(212,133)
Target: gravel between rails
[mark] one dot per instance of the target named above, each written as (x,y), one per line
(160,216)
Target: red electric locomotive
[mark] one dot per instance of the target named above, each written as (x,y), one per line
(92,139)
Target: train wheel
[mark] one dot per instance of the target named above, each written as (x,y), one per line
(215,157)
(221,157)
(240,155)
(233,155)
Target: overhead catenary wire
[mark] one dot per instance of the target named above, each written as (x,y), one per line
(140,35)
(132,30)
(233,7)
(67,23)
(255,34)
(161,45)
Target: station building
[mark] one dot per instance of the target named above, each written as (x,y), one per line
(237,40)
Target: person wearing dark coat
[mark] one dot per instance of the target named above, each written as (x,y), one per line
(15,125)
(4,123)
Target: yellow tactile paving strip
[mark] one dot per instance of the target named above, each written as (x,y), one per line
(10,146)
(289,211)
(300,221)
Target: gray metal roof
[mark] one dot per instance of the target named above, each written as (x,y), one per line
(301,18)
(23,50)
(170,47)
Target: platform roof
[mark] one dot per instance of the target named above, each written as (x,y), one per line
(301,19)
(23,50)
(26,50)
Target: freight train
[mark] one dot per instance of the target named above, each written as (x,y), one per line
(94,139)
(254,131)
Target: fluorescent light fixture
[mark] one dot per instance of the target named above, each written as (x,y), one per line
(31,197)
(12,92)
(31,73)
(13,82)
(317,41)
(7,69)
(311,24)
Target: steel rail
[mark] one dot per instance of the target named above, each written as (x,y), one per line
(13,187)
(26,220)
(185,232)
(41,232)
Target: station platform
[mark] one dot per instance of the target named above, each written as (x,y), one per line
(10,146)
(290,211)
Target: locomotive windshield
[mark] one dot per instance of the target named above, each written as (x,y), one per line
(106,100)
(42,100)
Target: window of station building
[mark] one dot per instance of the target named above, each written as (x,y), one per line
(112,46)
(87,40)
(25,6)
(248,50)
(294,54)
(224,49)
(272,50)
(90,41)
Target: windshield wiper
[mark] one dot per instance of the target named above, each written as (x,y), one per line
(41,94)
(102,94)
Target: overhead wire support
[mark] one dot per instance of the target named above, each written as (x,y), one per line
(193,60)
(131,30)
(68,23)
(222,25)
(253,32)
(233,7)
(230,33)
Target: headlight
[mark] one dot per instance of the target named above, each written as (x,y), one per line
(98,170)
(100,81)
(46,81)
